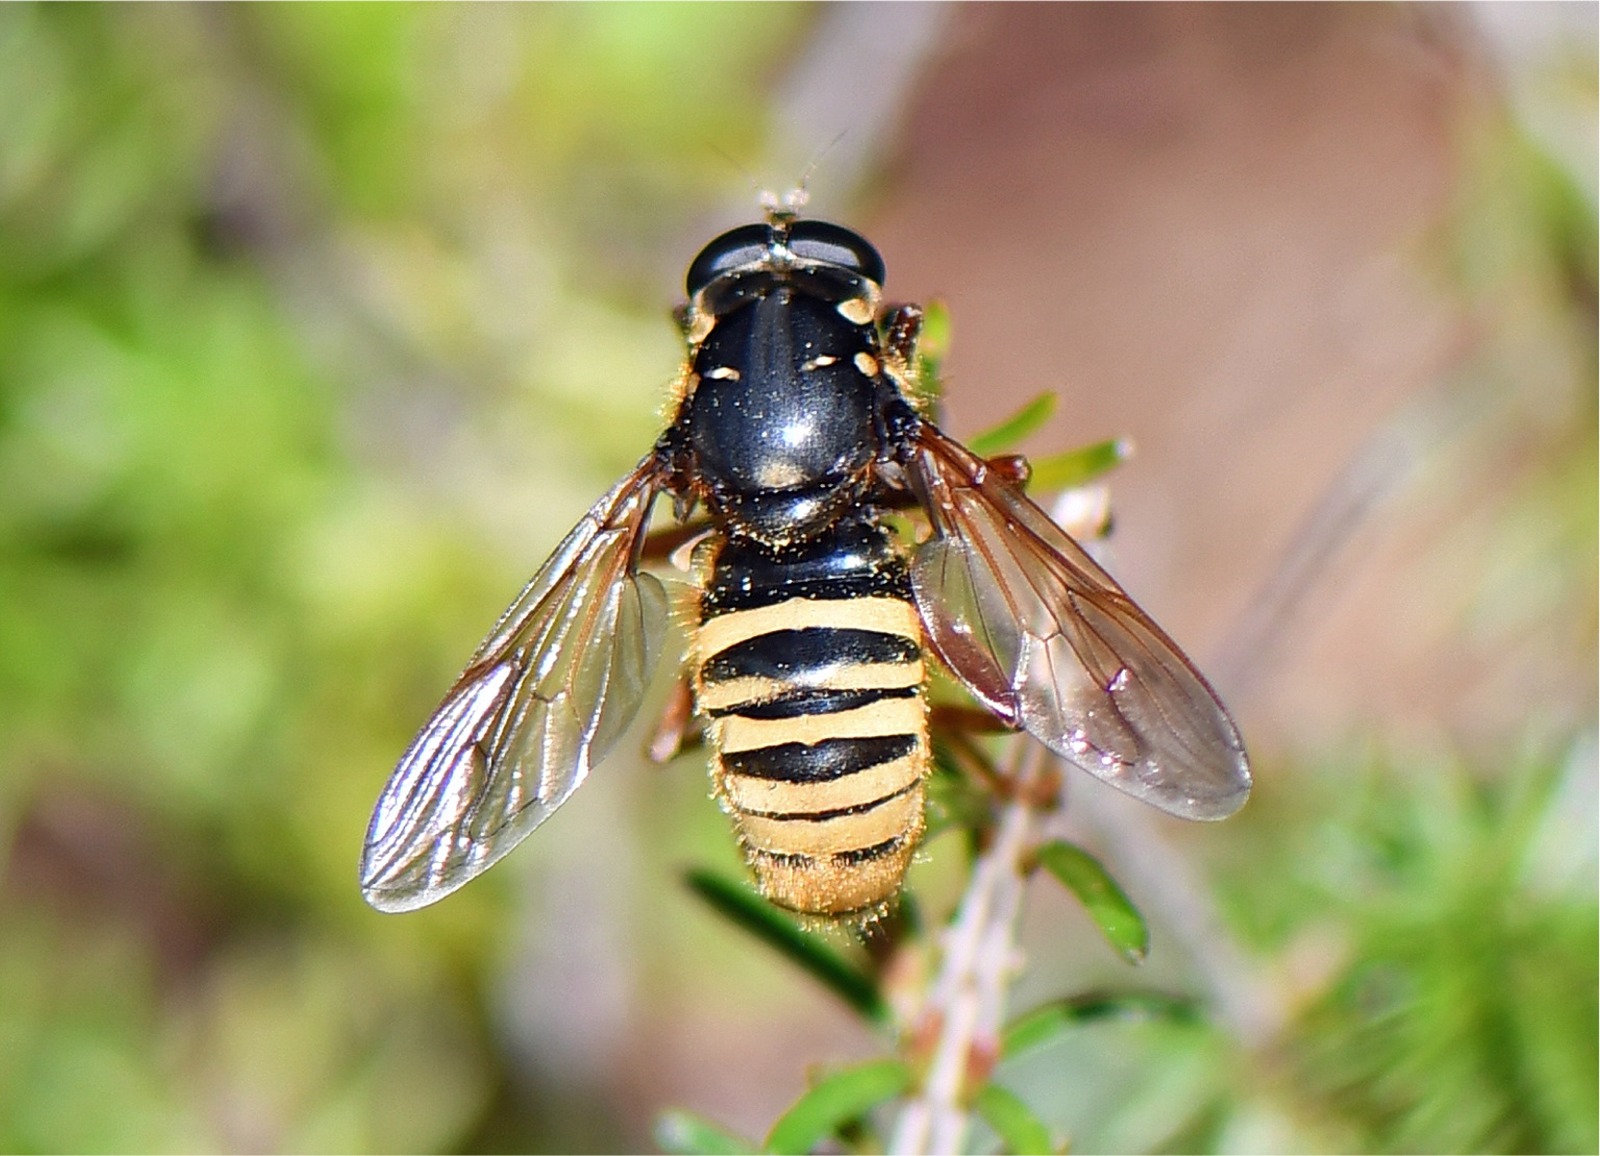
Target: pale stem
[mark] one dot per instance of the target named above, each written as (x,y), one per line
(967,1002)
(967,999)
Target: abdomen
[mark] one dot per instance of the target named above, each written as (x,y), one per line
(808,666)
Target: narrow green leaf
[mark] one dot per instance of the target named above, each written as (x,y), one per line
(1046,1022)
(1079,466)
(1019,1129)
(683,1133)
(1007,434)
(780,932)
(835,1101)
(1108,905)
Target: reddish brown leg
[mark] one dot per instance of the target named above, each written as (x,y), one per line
(676,730)
(1013,468)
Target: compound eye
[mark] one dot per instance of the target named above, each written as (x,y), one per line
(736,248)
(836,245)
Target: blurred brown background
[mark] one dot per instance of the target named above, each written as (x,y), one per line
(1223,231)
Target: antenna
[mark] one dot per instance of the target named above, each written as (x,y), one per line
(784,209)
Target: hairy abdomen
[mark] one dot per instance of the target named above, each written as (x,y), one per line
(808,666)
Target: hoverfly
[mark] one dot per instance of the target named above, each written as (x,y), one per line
(795,427)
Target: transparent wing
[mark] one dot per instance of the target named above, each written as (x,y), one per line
(1048,641)
(547,694)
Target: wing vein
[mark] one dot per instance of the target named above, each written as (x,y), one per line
(538,704)
(1008,597)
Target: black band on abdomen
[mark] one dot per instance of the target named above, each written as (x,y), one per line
(824,762)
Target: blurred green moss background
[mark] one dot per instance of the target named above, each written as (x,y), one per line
(319,324)
(288,297)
